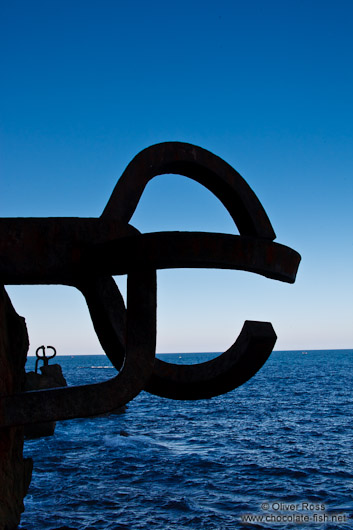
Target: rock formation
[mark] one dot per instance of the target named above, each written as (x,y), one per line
(50,377)
(15,471)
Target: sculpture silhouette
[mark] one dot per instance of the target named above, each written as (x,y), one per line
(86,253)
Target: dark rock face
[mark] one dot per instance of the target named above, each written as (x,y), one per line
(15,471)
(51,377)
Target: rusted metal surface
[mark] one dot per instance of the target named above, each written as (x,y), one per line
(228,371)
(170,250)
(199,165)
(85,253)
(94,399)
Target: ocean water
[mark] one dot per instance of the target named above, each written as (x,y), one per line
(274,453)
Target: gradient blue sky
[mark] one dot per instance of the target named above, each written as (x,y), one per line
(266,85)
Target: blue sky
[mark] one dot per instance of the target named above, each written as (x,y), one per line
(267,86)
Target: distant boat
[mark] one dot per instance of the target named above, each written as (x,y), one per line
(304,352)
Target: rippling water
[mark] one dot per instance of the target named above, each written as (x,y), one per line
(279,447)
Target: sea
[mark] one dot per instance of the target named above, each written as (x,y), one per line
(276,453)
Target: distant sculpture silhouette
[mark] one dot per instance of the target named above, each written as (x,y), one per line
(44,357)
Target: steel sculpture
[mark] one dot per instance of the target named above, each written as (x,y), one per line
(86,253)
(45,358)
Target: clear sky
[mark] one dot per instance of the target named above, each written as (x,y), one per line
(266,85)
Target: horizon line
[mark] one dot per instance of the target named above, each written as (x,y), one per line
(197,353)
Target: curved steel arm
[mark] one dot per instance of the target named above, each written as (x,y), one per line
(220,375)
(199,165)
(170,250)
(90,400)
